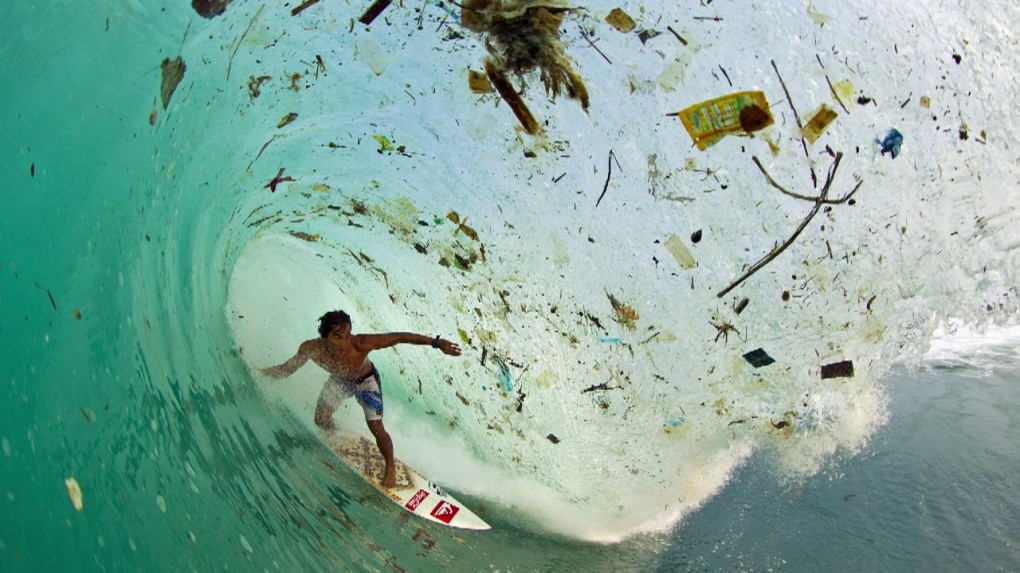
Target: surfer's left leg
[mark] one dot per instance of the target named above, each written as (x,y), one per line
(369,395)
(385,443)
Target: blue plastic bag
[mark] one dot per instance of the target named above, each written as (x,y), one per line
(892,142)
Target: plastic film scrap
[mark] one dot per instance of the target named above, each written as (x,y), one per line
(741,112)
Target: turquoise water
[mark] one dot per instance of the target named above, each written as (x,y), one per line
(145,267)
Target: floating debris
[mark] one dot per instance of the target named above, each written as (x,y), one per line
(373,11)
(311,238)
(210,8)
(173,73)
(844,369)
(819,122)
(479,83)
(741,305)
(301,7)
(758,358)
(552,438)
(278,179)
(74,492)
(385,145)
(286,119)
(892,142)
(680,252)
(524,36)
(741,112)
(620,20)
(625,314)
(255,85)
(505,378)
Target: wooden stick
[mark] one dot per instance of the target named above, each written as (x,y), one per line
(373,11)
(512,98)
(814,178)
(821,199)
(301,8)
(835,95)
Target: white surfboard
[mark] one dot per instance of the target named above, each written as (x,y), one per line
(414,493)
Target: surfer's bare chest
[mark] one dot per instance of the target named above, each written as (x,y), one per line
(345,361)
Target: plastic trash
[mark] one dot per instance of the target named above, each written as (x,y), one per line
(680,252)
(819,122)
(609,340)
(620,20)
(741,112)
(892,142)
(505,378)
(844,369)
(676,421)
(758,358)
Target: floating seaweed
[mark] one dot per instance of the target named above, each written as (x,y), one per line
(523,36)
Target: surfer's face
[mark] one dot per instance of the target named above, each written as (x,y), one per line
(340,332)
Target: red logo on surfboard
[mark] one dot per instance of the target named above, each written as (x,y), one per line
(445,511)
(416,499)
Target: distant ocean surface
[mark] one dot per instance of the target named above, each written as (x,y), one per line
(935,490)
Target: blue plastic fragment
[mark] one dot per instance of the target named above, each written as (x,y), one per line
(505,377)
(609,339)
(676,421)
(892,142)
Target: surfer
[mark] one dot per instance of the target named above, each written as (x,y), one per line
(345,357)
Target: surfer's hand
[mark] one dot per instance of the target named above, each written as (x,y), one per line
(449,348)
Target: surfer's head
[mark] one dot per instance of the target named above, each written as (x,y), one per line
(331,320)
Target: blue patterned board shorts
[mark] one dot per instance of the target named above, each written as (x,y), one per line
(367,391)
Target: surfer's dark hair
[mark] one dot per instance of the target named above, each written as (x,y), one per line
(331,320)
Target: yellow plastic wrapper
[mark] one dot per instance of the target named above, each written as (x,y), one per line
(740,112)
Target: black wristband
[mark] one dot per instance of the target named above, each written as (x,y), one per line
(435,342)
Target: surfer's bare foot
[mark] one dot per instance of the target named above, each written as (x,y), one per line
(389,480)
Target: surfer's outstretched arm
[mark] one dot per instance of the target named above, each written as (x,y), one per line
(368,342)
(290,366)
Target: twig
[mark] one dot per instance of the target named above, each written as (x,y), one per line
(725,74)
(712,18)
(678,36)
(301,8)
(772,182)
(814,178)
(822,199)
(605,187)
(835,95)
(592,44)
(264,146)
(239,41)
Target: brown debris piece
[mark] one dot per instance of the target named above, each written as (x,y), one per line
(255,85)
(173,73)
(754,118)
(286,119)
(479,82)
(210,8)
(819,122)
(620,20)
(373,11)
